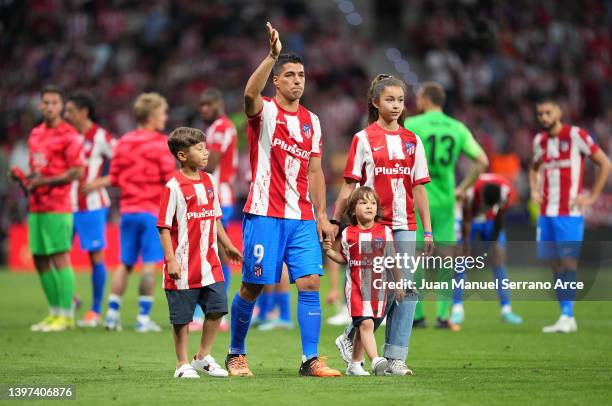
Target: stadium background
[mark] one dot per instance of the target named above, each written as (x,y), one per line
(493,57)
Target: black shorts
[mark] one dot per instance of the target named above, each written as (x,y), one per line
(377,321)
(182,303)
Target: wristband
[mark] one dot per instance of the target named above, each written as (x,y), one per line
(427,234)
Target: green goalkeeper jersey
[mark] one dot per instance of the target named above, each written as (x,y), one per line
(443,138)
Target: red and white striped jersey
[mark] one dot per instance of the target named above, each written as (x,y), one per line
(364,289)
(562,168)
(474,196)
(281,144)
(98,145)
(390,162)
(189,209)
(221,137)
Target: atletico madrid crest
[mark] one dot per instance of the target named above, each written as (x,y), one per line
(378,243)
(564,146)
(409,148)
(306,129)
(211,193)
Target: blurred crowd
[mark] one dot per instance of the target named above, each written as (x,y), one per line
(494,59)
(117,49)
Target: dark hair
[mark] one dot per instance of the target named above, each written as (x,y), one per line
(288,57)
(377,86)
(491,194)
(83,101)
(182,138)
(52,89)
(358,194)
(434,92)
(543,99)
(211,94)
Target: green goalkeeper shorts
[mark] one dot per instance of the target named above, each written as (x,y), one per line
(50,233)
(443,225)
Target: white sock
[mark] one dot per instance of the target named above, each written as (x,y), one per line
(66,313)
(505,309)
(54,311)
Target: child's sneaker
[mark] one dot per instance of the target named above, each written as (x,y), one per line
(345,346)
(379,365)
(186,371)
(356,369)
(209,366)
(91,319)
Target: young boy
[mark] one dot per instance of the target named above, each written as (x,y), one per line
(189,222)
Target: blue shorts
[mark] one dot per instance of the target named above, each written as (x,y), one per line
(483,230)
(559,237)
(90,225)
(228,213)
(270,241)
(139,236)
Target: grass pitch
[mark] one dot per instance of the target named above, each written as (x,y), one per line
(486,363)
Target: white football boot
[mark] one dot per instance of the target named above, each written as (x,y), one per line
(565,324)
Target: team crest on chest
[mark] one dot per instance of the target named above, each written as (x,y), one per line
(87,145)
(307,130)
(409,147)
(378,243)
(564,145)
(211,192)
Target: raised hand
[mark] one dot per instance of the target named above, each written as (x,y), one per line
(274,39)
